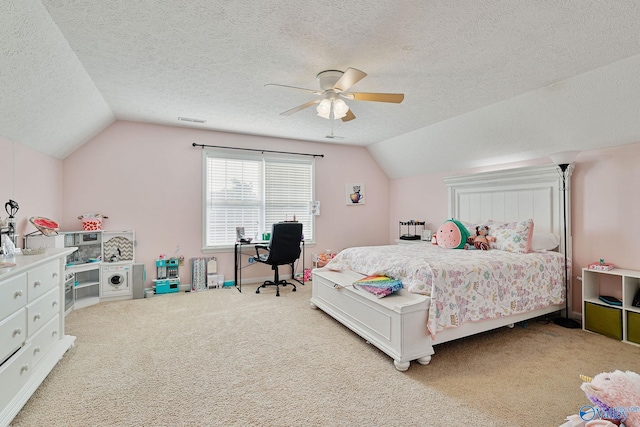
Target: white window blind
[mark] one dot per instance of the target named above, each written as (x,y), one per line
(254,192)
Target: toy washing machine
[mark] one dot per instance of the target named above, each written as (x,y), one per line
(116,280)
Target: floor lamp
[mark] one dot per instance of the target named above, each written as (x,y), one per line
(564,161)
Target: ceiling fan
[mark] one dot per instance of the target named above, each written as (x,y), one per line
(334,85)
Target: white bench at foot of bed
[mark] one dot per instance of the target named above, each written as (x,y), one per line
(396,324)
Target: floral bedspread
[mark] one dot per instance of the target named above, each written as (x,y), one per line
(465,286)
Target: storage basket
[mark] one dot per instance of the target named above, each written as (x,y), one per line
(92,221)
(92,224)
(603,320)
(633,327)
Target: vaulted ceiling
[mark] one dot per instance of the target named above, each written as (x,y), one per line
(69,68)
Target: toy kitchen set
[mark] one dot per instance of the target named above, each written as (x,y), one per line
(102,269)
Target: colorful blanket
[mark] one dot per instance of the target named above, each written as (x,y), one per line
(464,286)
(380,286)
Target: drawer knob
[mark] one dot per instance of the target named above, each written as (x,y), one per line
(36,350)
(17,331)
(55,274)
(18,293)
(36,316)
(24,368)
(36,283)
(54,303)
(54,333)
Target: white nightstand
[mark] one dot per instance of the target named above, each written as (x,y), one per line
(413,242)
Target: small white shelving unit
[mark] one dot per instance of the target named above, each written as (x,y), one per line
(87,274)
(619,322)
(87,284)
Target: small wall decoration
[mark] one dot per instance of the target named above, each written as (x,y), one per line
(239,233)
(355,194)
(314,208)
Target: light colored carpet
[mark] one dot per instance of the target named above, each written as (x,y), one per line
(224,358)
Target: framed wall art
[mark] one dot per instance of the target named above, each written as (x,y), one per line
(355,194)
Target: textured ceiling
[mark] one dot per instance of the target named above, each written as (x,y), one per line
(71,67)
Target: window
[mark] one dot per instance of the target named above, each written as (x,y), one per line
(254,191)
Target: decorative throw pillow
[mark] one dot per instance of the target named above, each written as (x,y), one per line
(452,235)
(512,236)
(544,241)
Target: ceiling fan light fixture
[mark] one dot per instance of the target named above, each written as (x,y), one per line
(340,109)
(324,108)
(334,85)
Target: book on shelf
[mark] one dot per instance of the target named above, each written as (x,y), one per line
(604,266)
(610,300)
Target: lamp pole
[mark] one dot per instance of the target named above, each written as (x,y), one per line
(565,321)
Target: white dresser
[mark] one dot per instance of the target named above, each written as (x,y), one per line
(32,338)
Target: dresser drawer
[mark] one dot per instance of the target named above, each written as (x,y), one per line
(44,339)
(41,279)
(13,295)
(14,375)
(42,310)
(13,333)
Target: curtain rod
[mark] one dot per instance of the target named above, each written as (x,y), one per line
(255,149)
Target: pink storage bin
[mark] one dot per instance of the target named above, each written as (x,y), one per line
(91,224)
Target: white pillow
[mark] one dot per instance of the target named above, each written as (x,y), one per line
(511,236)
(544,241)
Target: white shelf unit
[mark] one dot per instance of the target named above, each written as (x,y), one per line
(86,290)
(615,321)
(87,284)
(413,242)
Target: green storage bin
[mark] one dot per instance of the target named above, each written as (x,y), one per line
(603,320)
(633,327)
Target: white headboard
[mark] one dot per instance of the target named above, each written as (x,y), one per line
(512,195)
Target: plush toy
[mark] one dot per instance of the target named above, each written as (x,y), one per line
(452,235)
(481,240)
(615,396)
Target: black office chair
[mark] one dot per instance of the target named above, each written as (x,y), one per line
(284,248)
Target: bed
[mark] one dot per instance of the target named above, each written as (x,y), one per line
(450,294)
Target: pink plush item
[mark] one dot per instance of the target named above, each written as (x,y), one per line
(616,395)
(576,421)
(452,235)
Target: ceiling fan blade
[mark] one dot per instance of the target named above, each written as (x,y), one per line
(348,79)
(349,116)
(376,97)
(300,107)
(298,88)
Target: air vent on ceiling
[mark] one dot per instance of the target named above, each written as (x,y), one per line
(189,119)
(334,137)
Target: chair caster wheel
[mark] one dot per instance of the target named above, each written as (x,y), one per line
(258,291)
(294,289)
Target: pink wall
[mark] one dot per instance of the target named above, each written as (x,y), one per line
(32,179)
(605,206)
(148,178)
